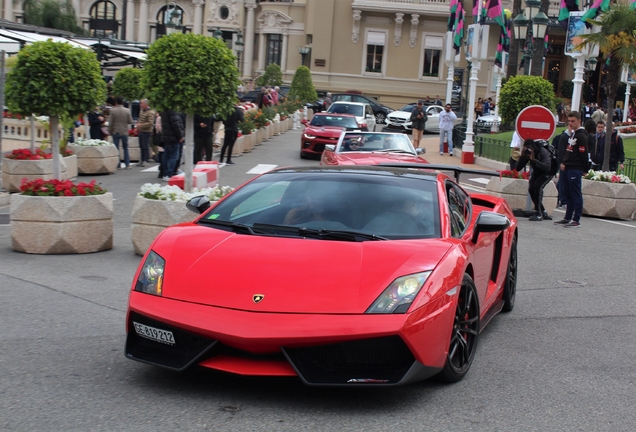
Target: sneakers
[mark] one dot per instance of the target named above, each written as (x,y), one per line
(535,218)
(450,154)
(572,224)
(128,167)
(222,164)
(230,163)
(165,178)
(562,222)
(441,153)
(546,216)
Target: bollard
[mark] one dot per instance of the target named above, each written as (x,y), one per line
(305,113)
(296,119)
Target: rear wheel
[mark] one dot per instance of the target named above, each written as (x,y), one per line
(510,285)
(465,334)
(380,118)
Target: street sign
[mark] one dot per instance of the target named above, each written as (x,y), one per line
(535,122)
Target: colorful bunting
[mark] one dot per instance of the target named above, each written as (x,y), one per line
(546,44)
(567,6)
(456,23)
(594,10)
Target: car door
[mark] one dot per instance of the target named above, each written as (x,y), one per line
(432,124)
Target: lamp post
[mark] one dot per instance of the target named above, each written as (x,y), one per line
(218,34)
(530,31)
(239,49)
(172,18)
(303,51)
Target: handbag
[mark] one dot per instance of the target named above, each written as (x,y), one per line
(105,132)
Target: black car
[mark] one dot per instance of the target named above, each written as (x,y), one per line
(253,95)
(380,111)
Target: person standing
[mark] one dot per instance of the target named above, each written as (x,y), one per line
(617,152)
(541,162)
(446,124)
(145,125)
(485,107)
(438,101)
(599,115)
(599,138)
(479,106)
(172,136)
(231,133)
(574,164)
(274,95)
(202,137)
(560,142)
(158,141)
(515,150)
(418,122)
(118,123)
(327,101)
(96,122)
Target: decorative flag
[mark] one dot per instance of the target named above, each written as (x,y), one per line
(504,41)
(567,6)
(594,10)
(633,4)
(456,23)
(546,45)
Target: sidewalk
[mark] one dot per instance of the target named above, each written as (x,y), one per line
(431,144)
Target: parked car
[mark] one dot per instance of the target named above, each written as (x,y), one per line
(251,96)
(485,123)
(362,111)
(401,119)
(380,111)
(353,276)
(371,148)
(325,128)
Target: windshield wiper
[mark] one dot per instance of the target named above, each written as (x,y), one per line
(236,227)
(392,151)
(338,234)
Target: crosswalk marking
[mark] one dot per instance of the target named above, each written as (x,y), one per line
(261,169)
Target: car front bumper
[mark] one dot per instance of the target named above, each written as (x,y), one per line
(315,146)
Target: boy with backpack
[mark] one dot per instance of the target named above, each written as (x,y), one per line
(542,158)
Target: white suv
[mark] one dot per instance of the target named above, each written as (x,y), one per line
(362,111)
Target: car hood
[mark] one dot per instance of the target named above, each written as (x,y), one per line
(366,158)
(400,114)
(213,267)
(325,131)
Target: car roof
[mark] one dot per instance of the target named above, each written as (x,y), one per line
(375,170)
(349,103)
(334,114)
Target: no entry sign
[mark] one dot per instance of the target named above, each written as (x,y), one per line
(535,122)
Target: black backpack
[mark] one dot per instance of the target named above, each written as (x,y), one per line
(554,165)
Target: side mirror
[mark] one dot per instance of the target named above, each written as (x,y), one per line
(420,150)
(198,204)
(330,147)
(489,222)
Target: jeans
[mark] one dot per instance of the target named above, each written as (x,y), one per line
(561,188)
(228,144)
(535,187)
(170,156)
(144,145)
(449,135)
(124,141)
(573,194)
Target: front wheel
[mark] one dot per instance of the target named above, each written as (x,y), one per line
(510,285)
(465,334)
(380,118)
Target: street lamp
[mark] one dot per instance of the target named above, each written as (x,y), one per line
(239,49)
(304,50)
(530,31)
(172,18)
(218,33)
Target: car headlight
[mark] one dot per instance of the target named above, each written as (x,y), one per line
(150,280)
(309,136)
(397,298)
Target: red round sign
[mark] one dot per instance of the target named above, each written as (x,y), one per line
(535,122)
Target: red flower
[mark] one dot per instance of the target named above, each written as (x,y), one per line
(40,187)
(26,154)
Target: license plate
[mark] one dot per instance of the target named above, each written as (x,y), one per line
(155,334)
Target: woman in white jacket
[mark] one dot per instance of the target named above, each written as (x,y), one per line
(446,122)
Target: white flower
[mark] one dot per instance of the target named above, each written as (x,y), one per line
(607,176)
(91,142)
(175,193)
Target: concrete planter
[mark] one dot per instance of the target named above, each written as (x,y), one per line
(61,225)
(248,142)
(134,152)
(515,192)
(71,166)
(610,200)
(96,159)
(13,171)
(258,137)
(150,217)
(237,150)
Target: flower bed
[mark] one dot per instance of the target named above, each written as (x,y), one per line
(607,194)
(158,207)
(38,165)
(61,217)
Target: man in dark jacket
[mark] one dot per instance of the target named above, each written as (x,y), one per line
(574,164)
(539,158)
(560,143)
(231,133)
(617,152)
(173,136)
(202,137)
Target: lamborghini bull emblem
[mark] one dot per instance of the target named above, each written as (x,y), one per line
(257,298)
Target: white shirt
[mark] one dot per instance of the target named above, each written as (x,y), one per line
(516,141)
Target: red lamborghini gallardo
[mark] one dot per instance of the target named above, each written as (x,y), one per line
(346,276)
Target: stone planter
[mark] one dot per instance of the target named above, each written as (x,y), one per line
(238,149)
(515,192)
(13,171)
(150,217)
(248,142)
(96,159)
(610,200)
(258,137)
(71,166)
(264,134)
(134,152)
(61,225)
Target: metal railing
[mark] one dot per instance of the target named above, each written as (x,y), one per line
(485,147)
(630,169)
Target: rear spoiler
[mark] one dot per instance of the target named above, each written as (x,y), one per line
(457,170)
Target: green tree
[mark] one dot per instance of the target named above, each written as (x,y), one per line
(193,74)
(522,91)
(302,87)
(57,80)
(128,84)
(617,42)
(273,76)
(57,14)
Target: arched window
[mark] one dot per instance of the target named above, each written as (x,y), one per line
(169,14)
(103,19)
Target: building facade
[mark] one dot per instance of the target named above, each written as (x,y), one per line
(394,50)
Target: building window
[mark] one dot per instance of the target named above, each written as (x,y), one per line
(432,54)
(103,22)
(375,51)
(274,44)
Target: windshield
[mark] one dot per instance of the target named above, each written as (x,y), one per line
(338,108)
(377,207)
(334,120)
(375,142)
(408,108)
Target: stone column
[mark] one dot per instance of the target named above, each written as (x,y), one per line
(8,10)
(77,6)
(283,55)
(261,50)
(142,33)
(130,20)
(198,16)
(249,39)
